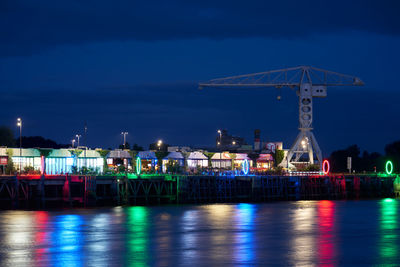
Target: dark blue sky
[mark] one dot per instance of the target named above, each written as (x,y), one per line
(134,66)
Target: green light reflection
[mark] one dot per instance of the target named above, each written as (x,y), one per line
(137,251)
(389,239)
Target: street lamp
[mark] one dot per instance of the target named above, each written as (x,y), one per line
(220,137)
(220,141)
(19,124)
(234,143)
(73,142)
(79,137)
(124,134)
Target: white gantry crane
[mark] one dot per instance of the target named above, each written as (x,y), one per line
(309,82)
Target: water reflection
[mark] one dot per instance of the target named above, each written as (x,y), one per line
(66,241)
(326,242)
(19,239)
(137,243)
(389,231)
(189,245)
(97,242)
(244,234)
(41,237)
(221,237)
(303,233)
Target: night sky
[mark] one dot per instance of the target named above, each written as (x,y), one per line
(134,66)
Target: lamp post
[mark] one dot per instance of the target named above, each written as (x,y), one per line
(219,143)
(124,134)
(19,124)
(159,143)
(79,137)
(73,142)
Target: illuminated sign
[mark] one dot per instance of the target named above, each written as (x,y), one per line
(3,160)
(389,167)
(246,167)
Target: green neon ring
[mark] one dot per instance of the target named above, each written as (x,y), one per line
(138,165)
(389,163)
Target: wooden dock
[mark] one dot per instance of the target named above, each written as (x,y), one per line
(83,191)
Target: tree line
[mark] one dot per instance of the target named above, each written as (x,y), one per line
(365,161)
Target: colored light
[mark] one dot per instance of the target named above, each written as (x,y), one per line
(246,167)
(138,165)
(325,167)
(389,167)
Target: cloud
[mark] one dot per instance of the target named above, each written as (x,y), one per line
(29,27)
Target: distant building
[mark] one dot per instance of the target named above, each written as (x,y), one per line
(179,149)
(225,140)
(265,146)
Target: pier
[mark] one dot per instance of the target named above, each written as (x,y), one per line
(36,192)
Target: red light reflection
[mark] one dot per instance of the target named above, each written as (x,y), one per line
(326,210)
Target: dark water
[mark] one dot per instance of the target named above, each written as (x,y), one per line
(303,233)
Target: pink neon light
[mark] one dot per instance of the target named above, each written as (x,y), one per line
(325,167)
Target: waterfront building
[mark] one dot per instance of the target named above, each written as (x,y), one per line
(222,160)
(148,160)
(59,161)
(91,159)
(119,157)
(265,161)
(197,159)
(25,157)
(3,160)
(175,157)
(239,159)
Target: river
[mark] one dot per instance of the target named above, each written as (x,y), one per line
(298,233)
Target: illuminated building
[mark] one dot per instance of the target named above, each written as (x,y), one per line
(91,159)
(118,157)
(239,160)
(265,161)
(148,159)
(3,159)
(197,159)
(222,160)
(30,157)
(59,161)
(175,157)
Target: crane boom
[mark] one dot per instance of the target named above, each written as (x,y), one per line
(310,82)
(290,77)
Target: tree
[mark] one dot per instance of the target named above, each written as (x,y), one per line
(10,168)
(6,137)
(127,146)
(136,147)
(278,156)
(39,141)
(338,159)
(160,155)
(253,157)
(366,162)
(163,146)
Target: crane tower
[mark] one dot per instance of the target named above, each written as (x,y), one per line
(309,83)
